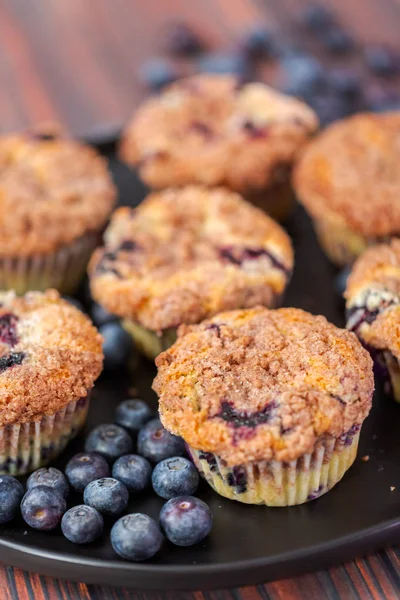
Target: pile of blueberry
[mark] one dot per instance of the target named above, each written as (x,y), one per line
(311,63)
(106,475)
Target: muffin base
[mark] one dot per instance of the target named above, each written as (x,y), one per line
(148,342)
(341,245)
(277,199)
(28,446)
(276,483)
(62,269)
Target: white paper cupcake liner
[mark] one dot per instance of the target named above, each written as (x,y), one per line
(276,483)
(62,269)
(148,342)
(26,447)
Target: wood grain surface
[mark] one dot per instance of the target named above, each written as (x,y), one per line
(77,61)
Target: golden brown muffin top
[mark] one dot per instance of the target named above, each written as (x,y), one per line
(350,172)
(52,191)
(211,130)
(50,355)
(373,297)
(186,254)
(258,384)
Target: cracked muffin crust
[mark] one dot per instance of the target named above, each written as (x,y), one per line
(348,180)
(260,385)
(186,254)
(53,190)
(213,130)
(50,355)
(373,309)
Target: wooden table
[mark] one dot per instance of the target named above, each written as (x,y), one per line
(76,61)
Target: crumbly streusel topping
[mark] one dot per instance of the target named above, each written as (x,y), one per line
(50,355)
(52,191)
(211,130)
(373,297)
(350,173)
(186,254)
(258,384)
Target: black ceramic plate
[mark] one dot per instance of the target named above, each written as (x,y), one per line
(248,544)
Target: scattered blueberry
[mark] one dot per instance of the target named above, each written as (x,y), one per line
(158,73)
(117,345)
(155,443)
(175,477)
(11,493)
(109,440)
(82,524)
(345,82)
(317,17)
(182,40)
(303,73)
(341,280)
(42,508)
(231,64)
(380,97)
(100,315)
(382,61)
(133,471)
(136,537)
(107,495)
(185,520)
(133,414)
(329,107)
(84,468)
(74,302)
(50,477)
(337,41)
(259,43)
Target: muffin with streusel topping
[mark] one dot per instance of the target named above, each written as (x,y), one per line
(348,179)
(212,130)
(50,357)
(184,255)
(269,402)
(373,309)
(55,198)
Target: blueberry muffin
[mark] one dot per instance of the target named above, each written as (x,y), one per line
(348,179)
(50,356)
(184,255)
(373,309)
(269,402)
(55,197)
(212,130)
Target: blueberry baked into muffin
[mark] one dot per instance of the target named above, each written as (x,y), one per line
(373,309)
(50,356)
(269,402)
(184,255)
(55,198)
(348,179)
(213,130)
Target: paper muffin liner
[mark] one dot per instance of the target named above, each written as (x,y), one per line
(386,368)
(148,342)
(340,244)
(62,269)
(276,199)
(28,446)
(276,483)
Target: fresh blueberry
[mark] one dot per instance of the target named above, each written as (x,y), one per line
(133,414)
(42,508)
(317,17)
(259,43)
(345,82)
(11,493)
(84,468)
(185,520)
(117,345)
(381,60)
(82,524)
(380,97)
(100,315)
(175,477)
(109,440)
(107,495)
(155,443)
(337,41)
(329,106)
(133,471)
(74,302)
(50,477)
(158,73)
(341,281)
(221,64)
(303,73)
(180,39)
(136,537)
